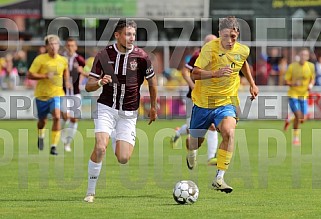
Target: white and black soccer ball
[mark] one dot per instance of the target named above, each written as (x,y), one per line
(185,192)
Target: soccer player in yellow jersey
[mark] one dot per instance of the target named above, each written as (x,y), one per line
(300,76)
(215,95)
(49,69)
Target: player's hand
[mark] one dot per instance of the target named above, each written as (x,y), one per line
(50,75)
(222,72)
(105,80)
(152,115)
(68,85)
(254,90)
(296,83)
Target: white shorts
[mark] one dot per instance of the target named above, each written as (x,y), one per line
(71,105)
(123,123)
(189,107)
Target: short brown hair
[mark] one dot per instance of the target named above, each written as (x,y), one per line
(70,39)
(229,23)
(125,23)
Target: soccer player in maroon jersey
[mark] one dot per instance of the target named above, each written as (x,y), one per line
(120,70)
(69,122)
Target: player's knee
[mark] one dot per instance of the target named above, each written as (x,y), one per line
(228,134)
(100,151)
(123,159)
(100,147)
(56,119)
(41,123)
(200,142)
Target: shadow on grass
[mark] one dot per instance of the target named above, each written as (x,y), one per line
(77,198)
(129,196)
(67,199)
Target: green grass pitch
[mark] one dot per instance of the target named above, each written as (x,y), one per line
(271,178)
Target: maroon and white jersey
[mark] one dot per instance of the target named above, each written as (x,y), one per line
(73,63)
(190,66)
(127,70)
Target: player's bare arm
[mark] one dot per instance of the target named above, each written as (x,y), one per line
(289,83)
(200,74)
(36,76)
(311,84)
(94,84)
(81,71)
(152,85)
(187,77)
(254,90)
(66,75)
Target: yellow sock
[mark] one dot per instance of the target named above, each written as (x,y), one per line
(223,159)
(41,133)
(296,133)
(55,136)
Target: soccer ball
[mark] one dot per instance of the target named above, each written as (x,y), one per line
(185,192)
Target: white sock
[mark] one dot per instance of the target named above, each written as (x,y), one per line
(182,130)
(192,153)
(93,174)
(71,131)
(211,144)
(62,123)
(63,134)
(220,173)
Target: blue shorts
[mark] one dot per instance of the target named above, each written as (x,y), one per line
(46,107)
(299,105)
(202,118)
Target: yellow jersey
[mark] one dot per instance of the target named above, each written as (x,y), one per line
(48,88)
(216,92)
(300,75)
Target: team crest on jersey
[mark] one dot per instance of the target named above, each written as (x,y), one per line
(133,65)
(237,57)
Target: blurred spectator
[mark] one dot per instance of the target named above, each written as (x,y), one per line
(261,70)
(313,58)
(20,63)
(318,72)
(274,59)
(42,50)
(88,65)
(283,66)
(2,63)
(9,78)
(243,80)
(173,79)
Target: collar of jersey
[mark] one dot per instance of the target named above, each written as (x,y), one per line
(65,53)
(129,51)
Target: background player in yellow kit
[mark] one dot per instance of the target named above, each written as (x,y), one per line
(300,77)
(49,69)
